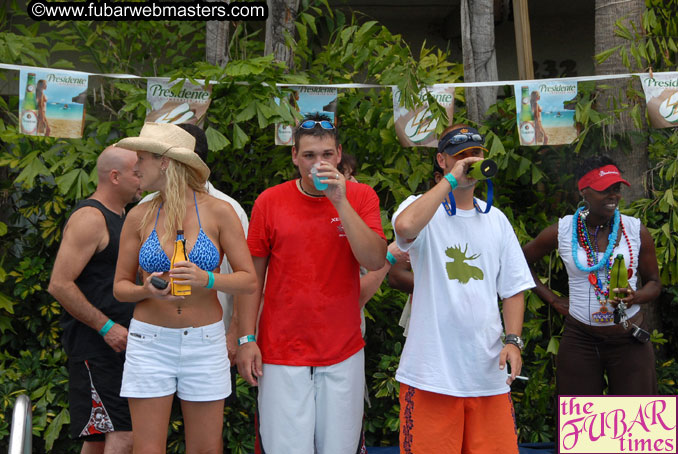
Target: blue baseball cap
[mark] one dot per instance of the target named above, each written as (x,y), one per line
(460,139)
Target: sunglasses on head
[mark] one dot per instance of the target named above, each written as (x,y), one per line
(310,124)
(462,137)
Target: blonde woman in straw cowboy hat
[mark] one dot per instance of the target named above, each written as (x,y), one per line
(177,344)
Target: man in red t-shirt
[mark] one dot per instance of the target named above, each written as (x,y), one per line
(308,244)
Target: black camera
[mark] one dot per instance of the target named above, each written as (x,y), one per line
(159,283)
(640,334)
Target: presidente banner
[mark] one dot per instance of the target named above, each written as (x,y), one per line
(417,128)
(661,96)
(52,102)
(545,112)
(189,105)
(617,424)
(307,100)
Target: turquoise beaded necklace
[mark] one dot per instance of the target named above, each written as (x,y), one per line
(612,240)
(580,232)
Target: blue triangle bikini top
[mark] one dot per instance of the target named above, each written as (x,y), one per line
(204,254)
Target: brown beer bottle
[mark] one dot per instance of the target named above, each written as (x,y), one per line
(179,289)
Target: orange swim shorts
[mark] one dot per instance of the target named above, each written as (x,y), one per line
(441,424)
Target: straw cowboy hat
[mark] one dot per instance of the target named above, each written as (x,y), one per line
(167,140)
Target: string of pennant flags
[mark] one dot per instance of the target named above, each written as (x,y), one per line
(52,103)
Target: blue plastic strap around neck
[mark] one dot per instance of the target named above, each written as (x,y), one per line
(451,208)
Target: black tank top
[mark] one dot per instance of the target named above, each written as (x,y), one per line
(96,283)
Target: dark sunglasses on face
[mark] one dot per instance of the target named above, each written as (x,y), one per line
(310,124)
(465,137)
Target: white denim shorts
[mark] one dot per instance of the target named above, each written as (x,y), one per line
(193,362)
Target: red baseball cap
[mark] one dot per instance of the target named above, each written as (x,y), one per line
(602,178)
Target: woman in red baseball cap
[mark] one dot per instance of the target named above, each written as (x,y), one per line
(593,345)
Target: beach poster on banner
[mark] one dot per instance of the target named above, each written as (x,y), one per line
(545,112)
(307,100)
(416,128)
(661,96)
(52,102)
(189,105)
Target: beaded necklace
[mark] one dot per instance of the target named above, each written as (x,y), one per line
(580,234)
(578,226)
(629,270)
(602,291)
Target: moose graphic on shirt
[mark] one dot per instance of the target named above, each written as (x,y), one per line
(458,269)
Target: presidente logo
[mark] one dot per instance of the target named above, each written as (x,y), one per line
(560,89)
(662,83)
(669,108)
(617,424)
(442,97)
(317,91)
(166,92)
(421,126)
(66,79)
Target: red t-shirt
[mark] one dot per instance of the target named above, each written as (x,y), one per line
(311,313)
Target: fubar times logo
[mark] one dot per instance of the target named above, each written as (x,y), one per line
(617,424)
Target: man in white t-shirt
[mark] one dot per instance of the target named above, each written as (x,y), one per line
(465,257)
(225,299)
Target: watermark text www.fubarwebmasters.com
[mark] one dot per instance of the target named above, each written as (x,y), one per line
(150,10)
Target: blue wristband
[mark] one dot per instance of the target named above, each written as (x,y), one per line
(246,339)
(453,181)
(107,327)
(210,280)
(392,260)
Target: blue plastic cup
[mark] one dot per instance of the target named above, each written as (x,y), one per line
(318,182)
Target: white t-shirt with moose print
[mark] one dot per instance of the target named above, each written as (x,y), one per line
(462,264)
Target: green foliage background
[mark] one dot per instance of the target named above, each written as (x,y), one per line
(43,177)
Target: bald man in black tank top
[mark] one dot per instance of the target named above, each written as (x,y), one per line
(95,323)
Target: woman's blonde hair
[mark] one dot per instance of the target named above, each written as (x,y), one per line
(178,176)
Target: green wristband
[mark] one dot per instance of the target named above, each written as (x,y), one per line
(246,339)
(392,260)
(107,327)
(210,280)
(453,181)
